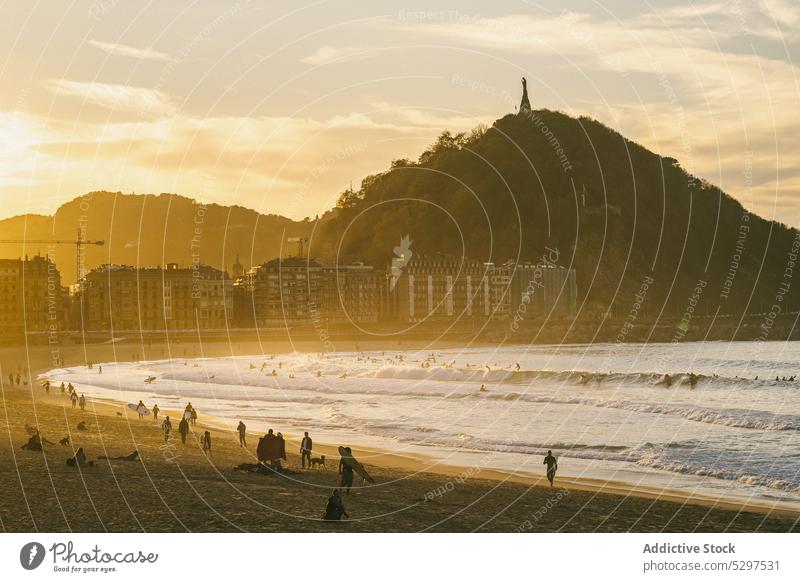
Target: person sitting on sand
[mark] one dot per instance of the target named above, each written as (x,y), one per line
(166,426)
(335,508)
(552,466)
(242,430)
(82,426)
(155,411)
(34,443)
(131,457)
(183,430)
(206,442)
(79,460)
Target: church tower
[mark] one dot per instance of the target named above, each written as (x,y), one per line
(237,269)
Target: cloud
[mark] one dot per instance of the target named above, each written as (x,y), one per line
(337,54)
(115,97)
(129,51)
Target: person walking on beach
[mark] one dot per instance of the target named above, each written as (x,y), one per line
(206,440)
(194,416)
(166,426)
(346,471)
(335,508)
(183,429)
(305,450)
(82,402)
(242,430)
(141,409)
(74,399)
(155,411)
(552,466)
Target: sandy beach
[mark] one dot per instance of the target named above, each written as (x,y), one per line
(176,487)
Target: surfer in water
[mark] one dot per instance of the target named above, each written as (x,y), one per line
(667,380)
(552,466)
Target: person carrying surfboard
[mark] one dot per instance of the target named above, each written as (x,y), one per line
(349,465)
(141,409)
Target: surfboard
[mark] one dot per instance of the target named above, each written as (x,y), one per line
(351,462)
(135,408)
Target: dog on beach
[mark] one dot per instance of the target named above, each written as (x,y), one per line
(64,442)
(318,462)
(119,414)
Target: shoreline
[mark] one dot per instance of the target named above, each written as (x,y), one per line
(413,493)
(418,463)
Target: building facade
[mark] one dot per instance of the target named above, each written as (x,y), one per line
(118,297)
(31,298)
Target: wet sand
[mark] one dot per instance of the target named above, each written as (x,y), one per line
(176,487)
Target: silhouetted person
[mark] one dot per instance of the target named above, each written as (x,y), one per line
(82,402)
(206,440)
(667,380)
(552,466)
(155,411)
(183,429)
(194,416)
(242,430)
(131,457)
(74,399)
(166,426)
(141,409)
(335,508)
(305,450)
(346,472)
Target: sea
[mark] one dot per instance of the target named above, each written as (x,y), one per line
(708,419)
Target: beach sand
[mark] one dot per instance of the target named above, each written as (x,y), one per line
(177,487)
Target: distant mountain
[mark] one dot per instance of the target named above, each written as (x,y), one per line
(618,213)
(149,230)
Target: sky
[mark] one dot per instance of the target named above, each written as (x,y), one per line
(280,106)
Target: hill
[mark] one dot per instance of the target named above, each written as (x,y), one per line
(629,220)
(151,230)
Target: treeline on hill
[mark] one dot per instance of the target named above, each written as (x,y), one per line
(615,211)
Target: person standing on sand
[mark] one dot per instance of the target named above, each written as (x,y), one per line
(183,429)
(206,440)
(305,450)
(74,399)
(82,402)
(155,411)
(166,426)
(552,466)
(346,471)
(242,430)
(194,416)
(141,409)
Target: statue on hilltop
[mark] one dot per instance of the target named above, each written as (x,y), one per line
(525,104)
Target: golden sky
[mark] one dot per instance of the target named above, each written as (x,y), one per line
(279,106)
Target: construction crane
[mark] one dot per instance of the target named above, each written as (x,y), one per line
(300,242)
(79,244)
